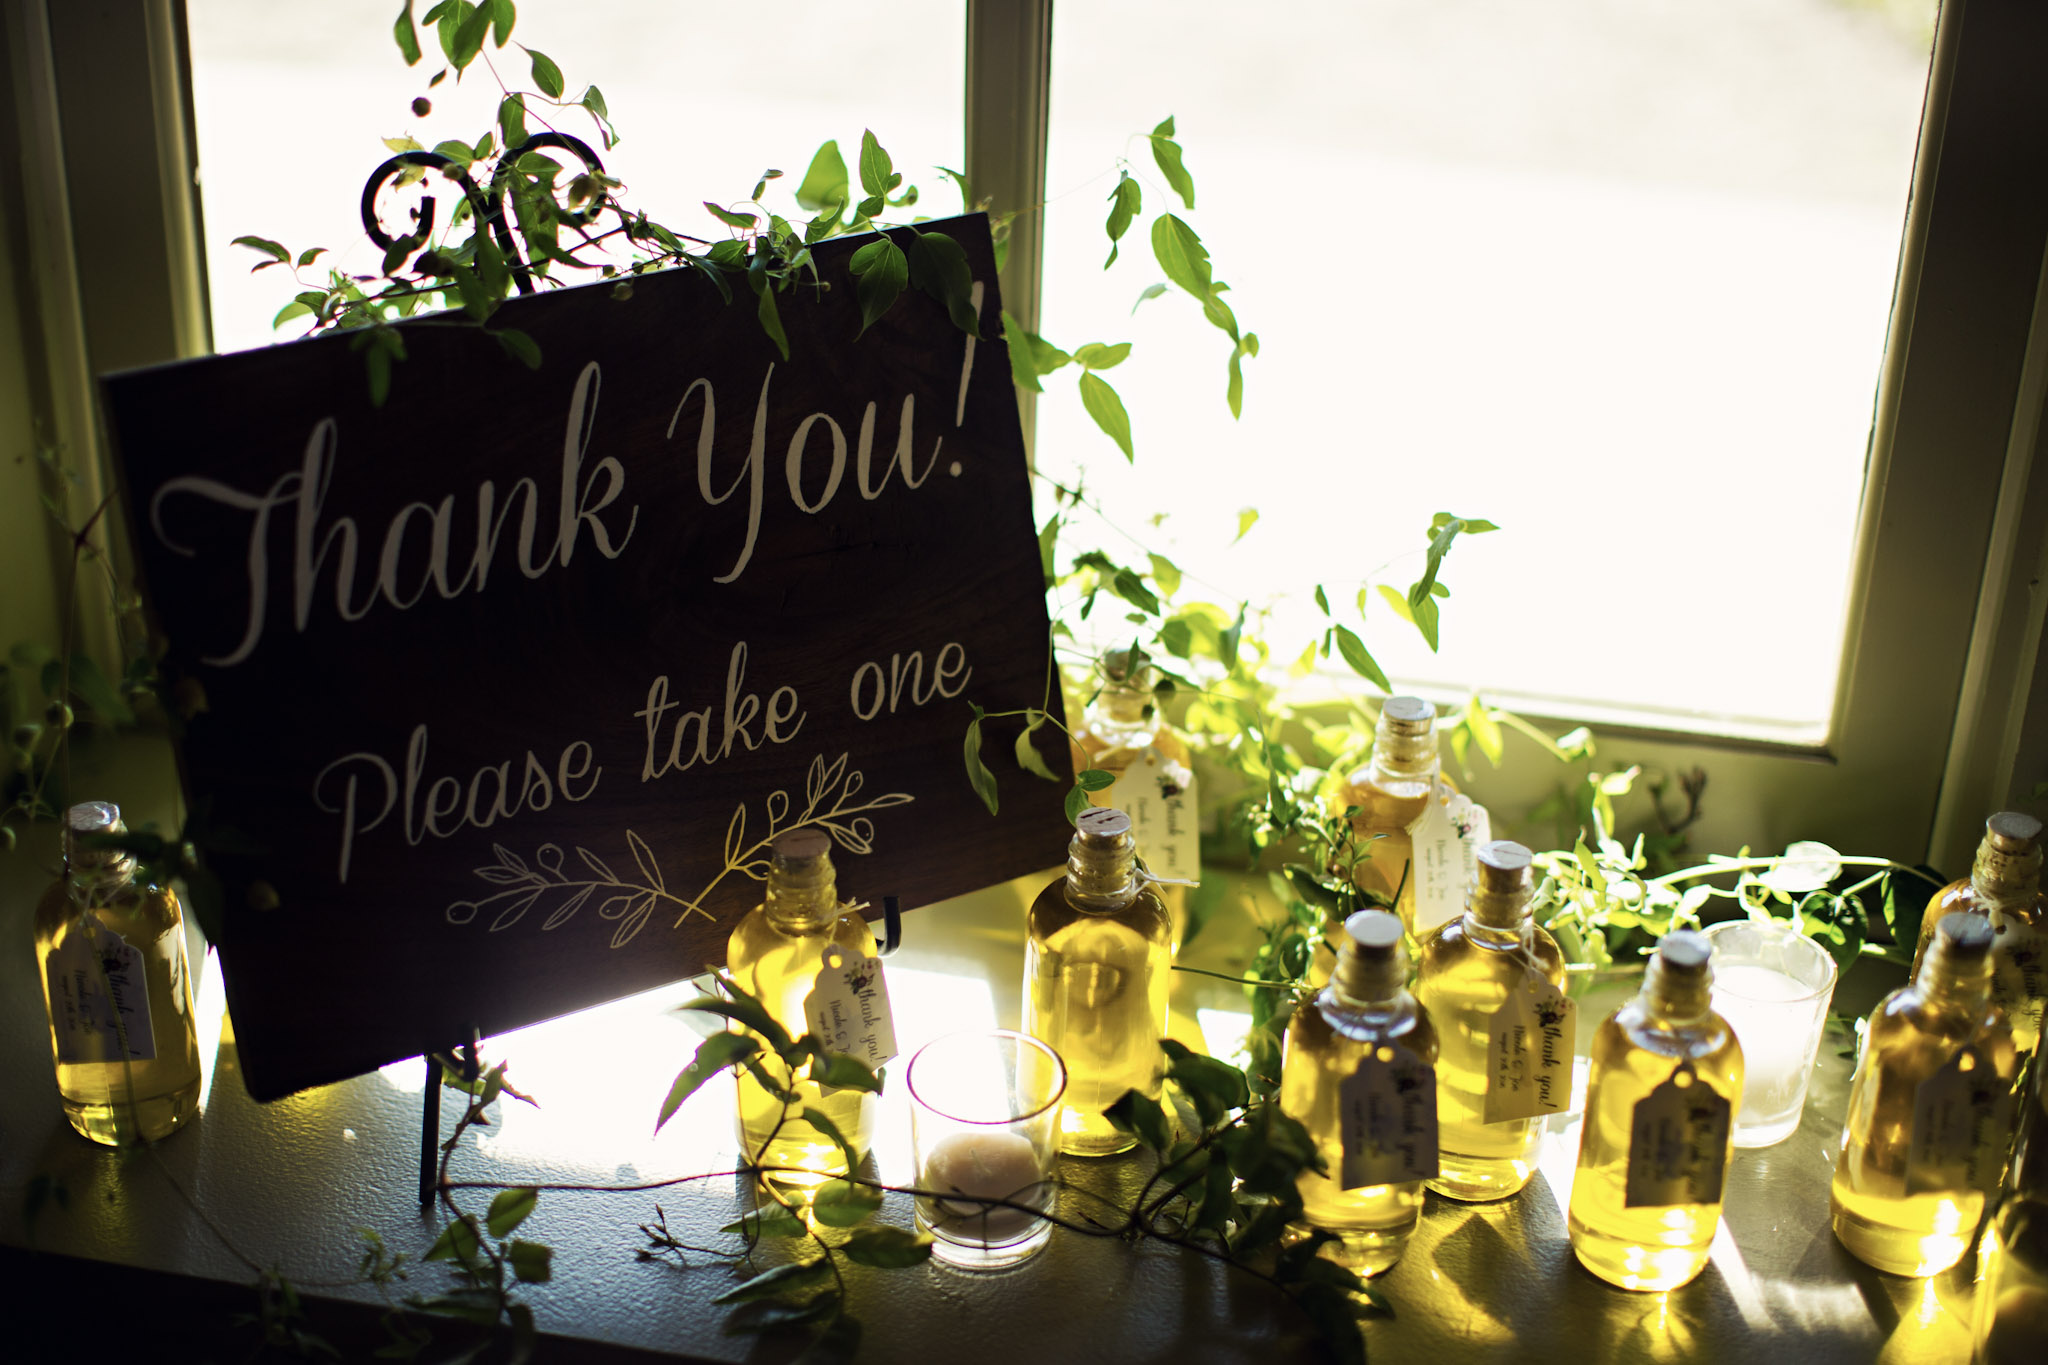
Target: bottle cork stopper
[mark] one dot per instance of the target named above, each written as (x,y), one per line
(1964,937)
(2012,831)
(1685,951)
(1409,711)
(1504,865)
(801,845)
(1100,825)
(1374,931)
(93,817)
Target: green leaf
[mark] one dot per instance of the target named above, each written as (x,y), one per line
(1166,574)
(1048,539)
(768,1221)
(1107,409)
(503,15)
(938,267)
(512,121)
(1215,1087)
(1398,602)
(275,250)
(1362,663)
(1167,153)
(1147,294)
(1023,373)
(877,172)
(457,1242)
(1426,620)
(532,1262)
(1096,356)
(824,185)
(1181,255)
(1077,801)
(714,1055)
(888,1248)
(769,316)
(1226,648)
(469,38)
(744,1010)
(783,1282)
(511,1208)
(978,775)
(377,365)
(822,1121)
(92,687)
(546,74)
(1095,780)
(744,221)
(1136,1114)
(519,346)
(1029,759)
(1247,518)
(838,1071)
(1322,600)
(881,271)
(1233,391)
(1485,730)
(407,35)
(1126,201)
(843,1204)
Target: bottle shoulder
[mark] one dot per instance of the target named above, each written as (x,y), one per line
(140,912)
(1455,948)
(1633,1027)
(1054,911)
(757,936)
(1908,1032)
(1324,1027)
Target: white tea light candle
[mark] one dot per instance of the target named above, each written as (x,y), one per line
(991,1165)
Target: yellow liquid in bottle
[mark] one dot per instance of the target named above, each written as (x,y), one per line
(1372,1223)
(1096,986)
(1907,1041)
(780,968)
(1647,1248)
(106,1097)
(1466,973)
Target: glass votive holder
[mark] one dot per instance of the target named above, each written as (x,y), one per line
(1772,984)
(984,1125)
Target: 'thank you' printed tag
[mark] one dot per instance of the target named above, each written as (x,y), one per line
(1529,1052)
(848,1008)
(1678,1143)
(1387,1110)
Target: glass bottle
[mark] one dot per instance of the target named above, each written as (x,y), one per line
(1659,1127)
(1123,733)
(116,982)
(1930,1111)
(1481,975)
(1095,979)
(775,954)
(2004,886)
(2010,1320)
(1359,1073)
(1392,795)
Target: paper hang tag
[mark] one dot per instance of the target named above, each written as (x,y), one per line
(1678,1143)
(1387,1111)
(1962,1123)
(99,989)
(1446,839)
(2019,966)
(1158,794)
(848,1008)
(1529,1052)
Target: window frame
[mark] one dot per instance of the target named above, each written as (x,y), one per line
(1936,719)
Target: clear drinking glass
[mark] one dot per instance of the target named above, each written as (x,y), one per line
(1772,984)
(984,1123)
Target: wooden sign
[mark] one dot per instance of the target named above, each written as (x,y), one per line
(509,683)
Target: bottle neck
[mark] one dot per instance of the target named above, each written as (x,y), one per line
(1949,982)
(1404,751)
(2006,876)
(803,896)
(1124,715)
(1369,981)
(1673,996)
(1494,916)
(1102,876)
(99,883)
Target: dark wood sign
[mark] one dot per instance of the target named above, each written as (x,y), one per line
(509,683)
